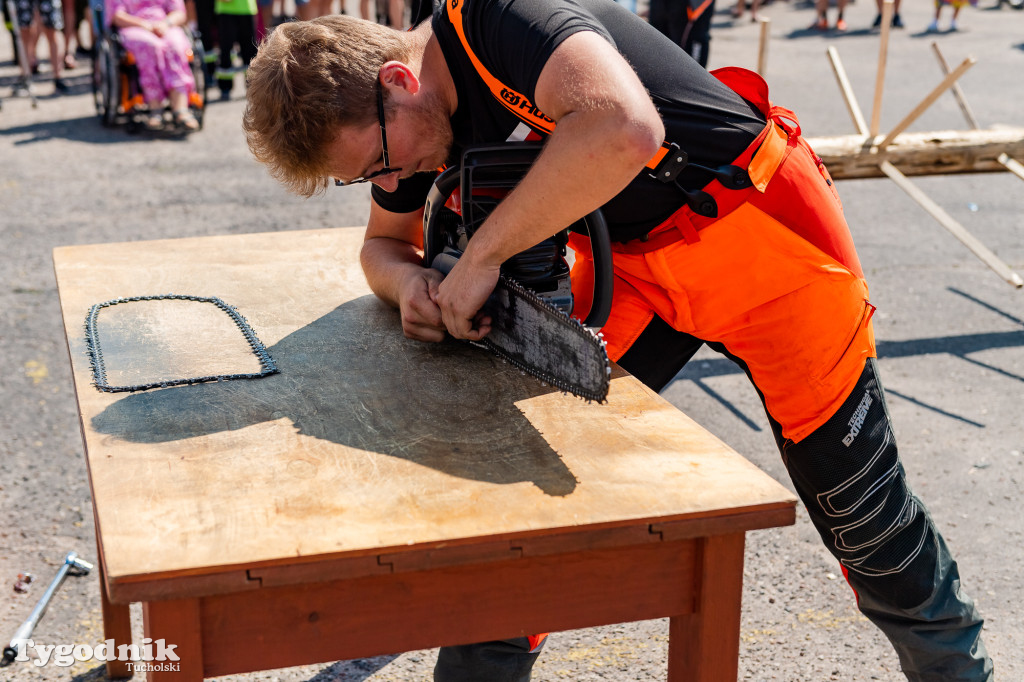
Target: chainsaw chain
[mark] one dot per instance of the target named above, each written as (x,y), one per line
(570,323)
(99,370)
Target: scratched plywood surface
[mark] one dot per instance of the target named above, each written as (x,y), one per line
(366,441)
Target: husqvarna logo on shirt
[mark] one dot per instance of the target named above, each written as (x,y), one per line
(511,97)
(857,420)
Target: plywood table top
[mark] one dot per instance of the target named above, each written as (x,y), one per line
(365,442)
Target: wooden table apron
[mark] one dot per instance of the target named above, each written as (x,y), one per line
(380,495)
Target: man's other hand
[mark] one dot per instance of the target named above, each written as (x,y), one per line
(421,317)
(461,296)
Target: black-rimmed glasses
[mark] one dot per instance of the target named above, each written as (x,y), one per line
(383,143)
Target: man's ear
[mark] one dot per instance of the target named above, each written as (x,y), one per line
(398,75)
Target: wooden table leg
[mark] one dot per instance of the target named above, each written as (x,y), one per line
(704,646)
(176,622)
(117,625)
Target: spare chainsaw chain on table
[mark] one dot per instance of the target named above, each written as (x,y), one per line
(99,371)
(570,323)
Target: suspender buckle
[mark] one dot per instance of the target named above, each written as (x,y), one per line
(671,165)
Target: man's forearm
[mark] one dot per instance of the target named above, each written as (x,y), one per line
(607,130)
(586,162)
(386,261)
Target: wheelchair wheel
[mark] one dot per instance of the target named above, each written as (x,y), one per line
(106,83)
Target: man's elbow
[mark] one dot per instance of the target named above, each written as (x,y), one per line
(642,136)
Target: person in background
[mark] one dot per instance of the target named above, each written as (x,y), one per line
(51,14)
(897,22)
(264,19)
(304,10)
(206,24)
(236,25)
(74,14)
(9,23)
(957,5)
(687,23)
(396,14)
(152,31)
(741,6)
(821,23)
(321,8)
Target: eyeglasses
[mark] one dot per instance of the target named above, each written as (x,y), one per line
(383,143)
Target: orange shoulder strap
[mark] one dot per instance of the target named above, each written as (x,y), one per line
(514,101)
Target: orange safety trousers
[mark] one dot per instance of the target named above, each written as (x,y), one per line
(774,278)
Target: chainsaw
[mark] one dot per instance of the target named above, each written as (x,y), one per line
(532,326)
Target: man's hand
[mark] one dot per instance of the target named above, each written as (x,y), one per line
(461,296)
(421,317)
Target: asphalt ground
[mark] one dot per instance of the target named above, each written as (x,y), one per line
(950,332)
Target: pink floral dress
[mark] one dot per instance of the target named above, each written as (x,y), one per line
(162,60)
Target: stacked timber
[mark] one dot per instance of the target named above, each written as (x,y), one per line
(931,153)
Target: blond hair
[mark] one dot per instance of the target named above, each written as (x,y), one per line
(308,79)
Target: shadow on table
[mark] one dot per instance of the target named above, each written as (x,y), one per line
(352,378)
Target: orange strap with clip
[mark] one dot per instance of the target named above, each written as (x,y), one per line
(516,102)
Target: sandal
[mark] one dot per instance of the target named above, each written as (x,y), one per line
(155,121)
(69,61)
(186,120)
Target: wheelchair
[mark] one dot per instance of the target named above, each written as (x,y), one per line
(115,77)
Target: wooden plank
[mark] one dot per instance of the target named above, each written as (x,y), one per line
(322,461)
(319,571)
(704,645)
(958,92)
(1012,165)
(767,518)
(604,538)
(762,49)
(925,153)
(444,557)
(844,87)
(955,228)
(179,586)
(883,51)
(946,83)
(459,605)
(177,623)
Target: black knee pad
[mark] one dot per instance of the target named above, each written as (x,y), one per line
(849,475)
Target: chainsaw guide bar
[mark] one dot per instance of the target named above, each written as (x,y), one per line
(541,340)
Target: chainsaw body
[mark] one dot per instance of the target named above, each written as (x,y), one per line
(485,175)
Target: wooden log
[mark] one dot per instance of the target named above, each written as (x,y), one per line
(956,229)
(933,153)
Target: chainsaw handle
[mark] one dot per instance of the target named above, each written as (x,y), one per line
(444,262)
(433,239)
(519,158)
(604,280)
